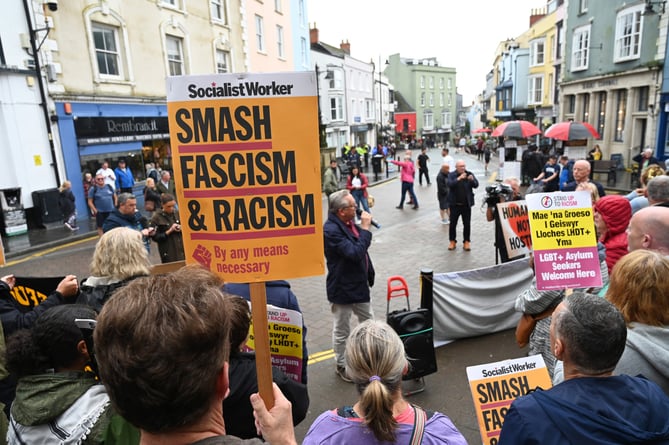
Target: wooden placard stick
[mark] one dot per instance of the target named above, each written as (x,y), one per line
(261,340)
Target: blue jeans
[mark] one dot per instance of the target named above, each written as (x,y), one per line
(359,196)
(408,187)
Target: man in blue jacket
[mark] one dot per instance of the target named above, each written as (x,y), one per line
(591,406)
(126,215)
(124,178)
(350,270)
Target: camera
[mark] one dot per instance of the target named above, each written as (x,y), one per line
(495,191)
(52,5)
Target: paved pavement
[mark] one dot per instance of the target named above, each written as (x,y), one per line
(408,241)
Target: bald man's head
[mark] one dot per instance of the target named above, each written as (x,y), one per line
(649,229)
(581,170)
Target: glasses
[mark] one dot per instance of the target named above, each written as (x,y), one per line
(99,179)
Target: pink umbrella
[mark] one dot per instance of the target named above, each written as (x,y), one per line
(482,130)
(516,129)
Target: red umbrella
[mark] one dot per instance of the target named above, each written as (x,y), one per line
(482,130)
(570,131)
(517,129)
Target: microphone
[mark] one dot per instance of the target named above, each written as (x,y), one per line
(374,223)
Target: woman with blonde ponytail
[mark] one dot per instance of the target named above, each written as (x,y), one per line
(375,361)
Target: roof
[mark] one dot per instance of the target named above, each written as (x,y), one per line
(402,105)
(328,49)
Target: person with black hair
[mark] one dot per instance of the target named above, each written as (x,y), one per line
(168,230)
(57,399)
(237,410)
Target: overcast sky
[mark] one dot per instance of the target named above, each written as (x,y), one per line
(460,33)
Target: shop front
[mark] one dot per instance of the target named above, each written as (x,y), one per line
(93,133)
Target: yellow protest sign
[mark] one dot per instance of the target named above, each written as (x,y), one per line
(495,386)
(247,171)
(563,238)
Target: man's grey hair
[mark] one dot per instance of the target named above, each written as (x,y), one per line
(648,150)
(337,200)
(658,189)
(593,332)
(512,180)
(123,197)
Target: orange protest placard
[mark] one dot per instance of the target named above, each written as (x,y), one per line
(495,385)
(247,171)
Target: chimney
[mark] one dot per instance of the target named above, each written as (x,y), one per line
(346,47)
(536,15)
(313,34)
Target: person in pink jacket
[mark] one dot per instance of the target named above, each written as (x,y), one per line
(407,176)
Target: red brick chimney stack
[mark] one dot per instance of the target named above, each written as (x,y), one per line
(313,34)
(346,47)
(536,15)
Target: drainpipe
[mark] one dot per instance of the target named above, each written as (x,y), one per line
(42,91)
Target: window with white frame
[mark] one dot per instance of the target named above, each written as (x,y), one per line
(222,61)
(300,11)
(336,108)
(535,89)
(428,120)
(218,11)
(105,39)
(279,42)
(432,99)
(582,6)
(449,84)
(431,82)
(580,48)
(422,99)
(628,34)
(369,109)
(303,51)
(441,99)
(441,83)
(422,81)
(450,99)
(336,79)
(175,55)
(537,52)
(277,6)
(260,34)
(172,4)
(446,119)
(353,110)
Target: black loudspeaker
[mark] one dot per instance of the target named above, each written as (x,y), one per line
(415,330)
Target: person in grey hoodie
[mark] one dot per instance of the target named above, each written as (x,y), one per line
(640,290)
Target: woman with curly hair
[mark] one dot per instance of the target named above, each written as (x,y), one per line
(375,361)
(120,256)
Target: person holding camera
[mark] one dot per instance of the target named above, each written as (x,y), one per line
(168,231)
(508,190)
(461,185)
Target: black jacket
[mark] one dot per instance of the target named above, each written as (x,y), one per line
(95,291)
(15,316)
(237,409)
